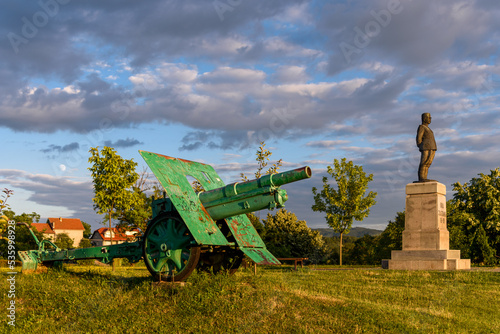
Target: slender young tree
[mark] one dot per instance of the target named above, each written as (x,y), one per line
(3,218)
(113,178)
(347,202)
(263,157)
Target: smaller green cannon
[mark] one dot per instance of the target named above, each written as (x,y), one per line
(208,230)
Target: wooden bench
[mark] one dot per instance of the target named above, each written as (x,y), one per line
(295,259)
(246,262)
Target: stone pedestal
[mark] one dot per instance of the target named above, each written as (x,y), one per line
(426,238)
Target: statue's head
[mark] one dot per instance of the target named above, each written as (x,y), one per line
(426,118)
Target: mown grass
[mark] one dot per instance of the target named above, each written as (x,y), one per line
(85,299)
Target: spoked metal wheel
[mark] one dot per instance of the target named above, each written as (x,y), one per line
(169,250)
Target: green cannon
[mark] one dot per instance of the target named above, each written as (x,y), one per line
(207,230)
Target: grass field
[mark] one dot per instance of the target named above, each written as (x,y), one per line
(88,299)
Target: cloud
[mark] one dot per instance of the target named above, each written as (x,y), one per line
(411,33)
(128,142)
(226,96)
(290,74)
(328,144)
(62,149)
(52,191)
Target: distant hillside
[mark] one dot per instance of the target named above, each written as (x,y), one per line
(357,232)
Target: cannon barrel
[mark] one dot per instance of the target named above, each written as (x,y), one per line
(243,197)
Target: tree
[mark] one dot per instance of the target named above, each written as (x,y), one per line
(63,241)
(3,201)
(474,217)
(27,217)
(346,203)
(113,178)
(263,157)
(364,251)
(392,237)
(481,251)
(24,239)
(87,233)
(459,228)
(286,236)
(84,243)
(4,220)
(140,212)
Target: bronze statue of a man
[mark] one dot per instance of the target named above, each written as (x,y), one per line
(427,146)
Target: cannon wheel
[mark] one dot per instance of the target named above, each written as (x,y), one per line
(221,261)
(168,249)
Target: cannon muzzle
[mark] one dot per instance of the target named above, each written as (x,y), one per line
(243,197)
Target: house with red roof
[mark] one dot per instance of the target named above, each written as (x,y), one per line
(73,227)
(102,236)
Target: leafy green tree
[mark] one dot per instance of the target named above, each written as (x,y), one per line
(346,203)
(474,216)
(481,251)
(333,245)
(461,231)
(84,243)
(392,237)
(27,218)
(286,236)
(364,251)
(113,178)
(332,250)
(87,233)
(63,241)
(140,212)
(24,239)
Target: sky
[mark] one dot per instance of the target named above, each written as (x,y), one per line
(209,80)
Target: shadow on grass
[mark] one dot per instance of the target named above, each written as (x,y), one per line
(125,278)
(117,277)
(283,268)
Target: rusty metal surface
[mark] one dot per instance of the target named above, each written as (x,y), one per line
(172,174)
(244,232)
(261,256)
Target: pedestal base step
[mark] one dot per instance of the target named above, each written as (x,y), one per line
(445,264)
(443,254)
